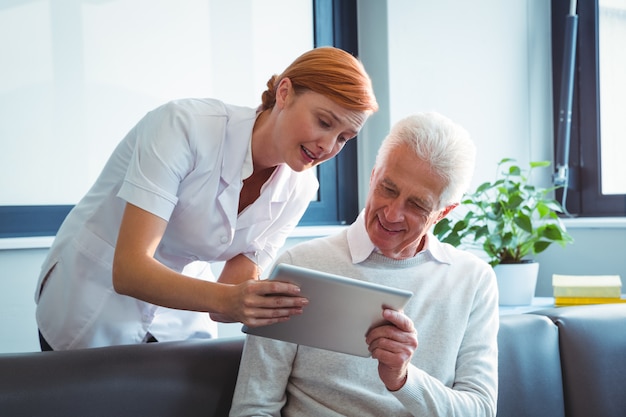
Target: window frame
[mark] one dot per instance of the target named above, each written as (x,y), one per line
(584,196)
(335,23)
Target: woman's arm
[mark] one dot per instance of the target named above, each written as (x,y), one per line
(236,270)
(138,274)
(239,269)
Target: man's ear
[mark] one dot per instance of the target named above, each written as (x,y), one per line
(446,211)
(283,91)
(372,175)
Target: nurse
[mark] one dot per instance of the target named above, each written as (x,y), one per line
(198,181)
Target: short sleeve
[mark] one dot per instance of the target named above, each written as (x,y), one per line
(163,155)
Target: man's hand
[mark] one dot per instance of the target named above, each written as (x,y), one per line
(393,345)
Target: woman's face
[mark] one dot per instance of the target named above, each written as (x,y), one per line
(311,128)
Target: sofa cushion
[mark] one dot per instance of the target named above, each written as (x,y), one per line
(529,371)
(593,357)
(156,379)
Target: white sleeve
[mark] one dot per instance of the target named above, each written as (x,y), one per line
(162,157)
(474,390)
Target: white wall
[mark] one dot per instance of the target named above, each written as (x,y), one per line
(484,64)
(487,65)
(84,72)
(19,270)
(598,249)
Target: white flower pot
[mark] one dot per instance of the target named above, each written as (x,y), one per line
(516,283)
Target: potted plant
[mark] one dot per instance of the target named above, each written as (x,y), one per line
(511,220)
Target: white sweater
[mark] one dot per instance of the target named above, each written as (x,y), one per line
(453,371)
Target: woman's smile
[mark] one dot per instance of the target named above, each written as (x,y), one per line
(308,154)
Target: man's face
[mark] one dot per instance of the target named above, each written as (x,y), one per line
(402,204)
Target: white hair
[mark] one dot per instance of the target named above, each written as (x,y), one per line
(444,145)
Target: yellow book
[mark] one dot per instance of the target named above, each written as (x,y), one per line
(575,301)
(590,286)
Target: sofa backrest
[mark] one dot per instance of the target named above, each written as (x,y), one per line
(191,378)
(529,372)
(552,363)
(592,341)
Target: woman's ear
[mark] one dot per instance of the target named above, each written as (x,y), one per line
(283,92)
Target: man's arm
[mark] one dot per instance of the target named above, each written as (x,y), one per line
(473,391)
(264,372)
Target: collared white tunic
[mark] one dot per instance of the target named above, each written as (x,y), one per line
(184,162)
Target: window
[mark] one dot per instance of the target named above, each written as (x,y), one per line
(39,61)
(335,23)
(612,85)
(598,177)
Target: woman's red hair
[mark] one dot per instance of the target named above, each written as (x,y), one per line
(329,71)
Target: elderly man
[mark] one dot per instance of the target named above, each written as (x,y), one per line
(421,172)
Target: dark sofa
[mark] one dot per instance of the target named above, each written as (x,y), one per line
(559,362)
(568,361)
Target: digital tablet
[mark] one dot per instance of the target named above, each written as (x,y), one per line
(340,312)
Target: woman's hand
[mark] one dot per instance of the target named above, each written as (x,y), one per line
(259,303)
(253,302)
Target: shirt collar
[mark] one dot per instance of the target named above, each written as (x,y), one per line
(248,167)
(358,241)
(361,247)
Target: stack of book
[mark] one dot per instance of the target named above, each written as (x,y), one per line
(587,289)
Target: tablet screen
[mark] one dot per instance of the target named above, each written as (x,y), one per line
(340,312)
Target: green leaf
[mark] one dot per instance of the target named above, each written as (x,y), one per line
(540,246)
(441,227)
(552,232)
(483,187)
(515,170)
(514,202)
(524,223)
(539,164)
(459,226)
(553,205)
(454,240)
(543,209)
(481,232)
(506,239)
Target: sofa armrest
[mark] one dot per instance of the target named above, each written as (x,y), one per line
(529,371)
(592,340)
(189,378)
